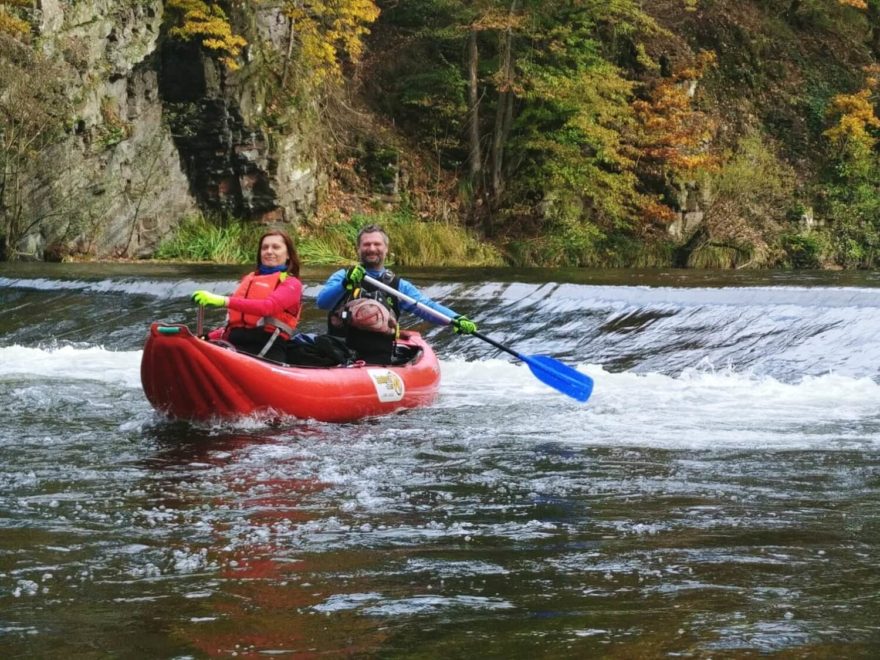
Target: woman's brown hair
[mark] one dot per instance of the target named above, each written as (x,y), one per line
(292,255)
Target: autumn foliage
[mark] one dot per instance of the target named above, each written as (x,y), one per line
(855,119)
(674,137)
(207,23)
(11,21)
(329,31)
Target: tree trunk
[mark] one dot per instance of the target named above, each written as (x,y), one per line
(874,22)
(476,159)
(504,110)
(287,56)
(683,253)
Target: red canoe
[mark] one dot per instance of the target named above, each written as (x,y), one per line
(189,378)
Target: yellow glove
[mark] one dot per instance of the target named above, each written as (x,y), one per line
(209,299)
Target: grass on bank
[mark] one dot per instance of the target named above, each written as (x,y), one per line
(413,242)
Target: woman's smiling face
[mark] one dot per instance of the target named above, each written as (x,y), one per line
(273,251)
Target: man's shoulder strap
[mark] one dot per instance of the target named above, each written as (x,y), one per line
(390,278)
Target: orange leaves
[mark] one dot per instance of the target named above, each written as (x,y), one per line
(672,133)
(858,4)
(655,212)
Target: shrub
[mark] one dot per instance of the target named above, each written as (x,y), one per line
(803,250)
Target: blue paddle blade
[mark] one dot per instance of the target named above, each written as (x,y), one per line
(559,376)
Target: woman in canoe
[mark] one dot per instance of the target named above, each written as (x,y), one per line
(264,309)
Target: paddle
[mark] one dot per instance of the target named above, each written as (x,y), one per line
(552,372)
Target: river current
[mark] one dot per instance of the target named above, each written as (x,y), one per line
(717,496)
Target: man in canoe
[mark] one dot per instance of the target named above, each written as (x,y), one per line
(365,316)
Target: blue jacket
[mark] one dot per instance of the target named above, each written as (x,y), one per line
(334,289)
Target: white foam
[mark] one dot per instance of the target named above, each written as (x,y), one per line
(701,408)
(93,363)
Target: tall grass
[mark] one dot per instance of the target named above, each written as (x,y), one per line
(330,244)
(202,239)
(413,242)
(552,251)
(417,243)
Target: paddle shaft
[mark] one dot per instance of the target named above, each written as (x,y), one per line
(552,372)
(412,301)
(402,296)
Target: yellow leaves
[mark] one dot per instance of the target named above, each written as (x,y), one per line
(325,31)
(13,26)
(872,76)
(208,23)
(328,31)
(498,20)
(10,23)
(855,119)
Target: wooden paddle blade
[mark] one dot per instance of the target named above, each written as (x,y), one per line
(560,376)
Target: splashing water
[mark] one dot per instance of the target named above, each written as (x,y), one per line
(717,495)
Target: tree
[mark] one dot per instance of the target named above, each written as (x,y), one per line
(324,34)
(207,23)
(851,200)
(673,136)
(568,145)
(527,97)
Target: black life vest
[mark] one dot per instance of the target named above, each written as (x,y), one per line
(373,347)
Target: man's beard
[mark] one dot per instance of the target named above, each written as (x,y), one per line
(371,260)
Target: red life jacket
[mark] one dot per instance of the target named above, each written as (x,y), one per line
(260,287)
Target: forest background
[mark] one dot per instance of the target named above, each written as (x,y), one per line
(691,133)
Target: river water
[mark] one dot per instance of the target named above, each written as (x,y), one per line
(718,496)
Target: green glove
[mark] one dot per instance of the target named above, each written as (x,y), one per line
(463,325)
(209,299)
(354,276)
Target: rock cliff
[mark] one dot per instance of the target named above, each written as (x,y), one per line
(158,132)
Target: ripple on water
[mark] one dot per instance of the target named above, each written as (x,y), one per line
(374,604)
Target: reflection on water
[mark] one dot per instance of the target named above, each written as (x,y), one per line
(719,496)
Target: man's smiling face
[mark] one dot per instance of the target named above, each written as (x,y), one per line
(372,250)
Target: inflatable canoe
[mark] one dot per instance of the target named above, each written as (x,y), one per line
(189,378)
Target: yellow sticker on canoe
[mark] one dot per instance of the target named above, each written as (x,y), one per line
(389,386)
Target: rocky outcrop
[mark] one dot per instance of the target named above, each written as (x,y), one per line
(114,185)
(691,200)
(158,133)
